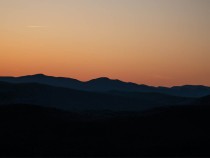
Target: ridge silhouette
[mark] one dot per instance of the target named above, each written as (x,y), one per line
(104,84)
(71,99)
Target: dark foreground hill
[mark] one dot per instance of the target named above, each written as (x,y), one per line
(36,131)
(70,99)
(104,84)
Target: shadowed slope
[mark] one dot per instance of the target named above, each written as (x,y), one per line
(69,99)
(36,131)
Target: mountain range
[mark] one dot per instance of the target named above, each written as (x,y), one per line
(71,99)
(105,84)
(53,116)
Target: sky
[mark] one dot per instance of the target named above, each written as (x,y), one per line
(154,42)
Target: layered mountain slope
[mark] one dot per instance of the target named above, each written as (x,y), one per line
(70,99)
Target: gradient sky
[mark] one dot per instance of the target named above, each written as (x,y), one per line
(155,42)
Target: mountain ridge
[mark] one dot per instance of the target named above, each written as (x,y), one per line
(105,84)
(71,99)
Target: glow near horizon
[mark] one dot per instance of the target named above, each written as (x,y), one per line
(155,42)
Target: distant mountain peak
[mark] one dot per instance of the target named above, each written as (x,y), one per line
(39,75)
(102,78)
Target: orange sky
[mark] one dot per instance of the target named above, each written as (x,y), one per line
(155,42)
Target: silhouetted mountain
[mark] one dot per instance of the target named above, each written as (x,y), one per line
(105,84)
(162,98)
(43,79)
(44,120)
(189,90)
(28,130)
(70,99)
